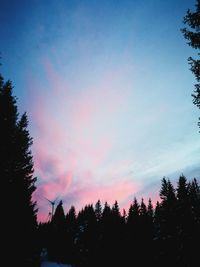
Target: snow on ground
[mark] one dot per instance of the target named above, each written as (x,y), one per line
(53,264)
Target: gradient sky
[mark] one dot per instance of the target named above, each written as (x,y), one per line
(107,89)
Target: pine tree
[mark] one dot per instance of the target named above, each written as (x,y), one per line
(72,234)
(98,210)
(115,210)
(184,220)
(106,236)
(87,239)
(58,235)
(124,216)
(182,189)
(133,213)
(192,19)
(150,209)
(143,209)
(145,228)
(71,216)
(106,213)
(59,216)
(117,239)
(194,196)
(168,222)
(133,232)
(16,172)
(167,192)
(150,225)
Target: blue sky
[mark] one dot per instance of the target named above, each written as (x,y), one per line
(107,89)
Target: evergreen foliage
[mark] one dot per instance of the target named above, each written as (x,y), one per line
(18,182)
(192,34)
(166,234)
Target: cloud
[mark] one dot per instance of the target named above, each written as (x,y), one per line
(76,131)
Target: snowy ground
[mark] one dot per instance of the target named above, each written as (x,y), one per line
(53,264)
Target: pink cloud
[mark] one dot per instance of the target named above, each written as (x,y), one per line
(88,192)
(54,188)
(74,138)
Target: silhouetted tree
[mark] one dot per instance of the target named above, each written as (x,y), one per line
(192,19)
(18,183)
(194,196)
(166,236)
(124,216)
(105,236)
(117,232)
(98,210)
(87,239)
(157,236)
(194,223)
(133,213)
(72,233)
(150,211)
(150,231)
(183,221)
(167,192)
(133,229)
(143,209)
(168,223)
(58,235)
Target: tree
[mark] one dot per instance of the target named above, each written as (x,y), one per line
(58,235)
(167,223)
(72,231)
(87,237)
(133,213)
(133,232)
(150,209)
(59,216)
(18,183)
(167,192)
(115,211)
(143,209)
(98,210)
(182,189)
(192,34)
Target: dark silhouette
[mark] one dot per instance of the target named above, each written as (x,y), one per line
(58,235)
(164,236)
(72,235)
(18,183)
(192,19)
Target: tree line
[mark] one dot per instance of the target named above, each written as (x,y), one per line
(166,235)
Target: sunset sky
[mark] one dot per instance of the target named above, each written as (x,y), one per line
(107,89)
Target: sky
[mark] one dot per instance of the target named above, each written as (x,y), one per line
(107,89)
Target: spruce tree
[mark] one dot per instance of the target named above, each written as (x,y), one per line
(16,172)
(71,231)
(58,235)
(150,211)
(115,211)
(98,210)
(133,232)
(168,222)
(192,34)
(194,196)
(143,209)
